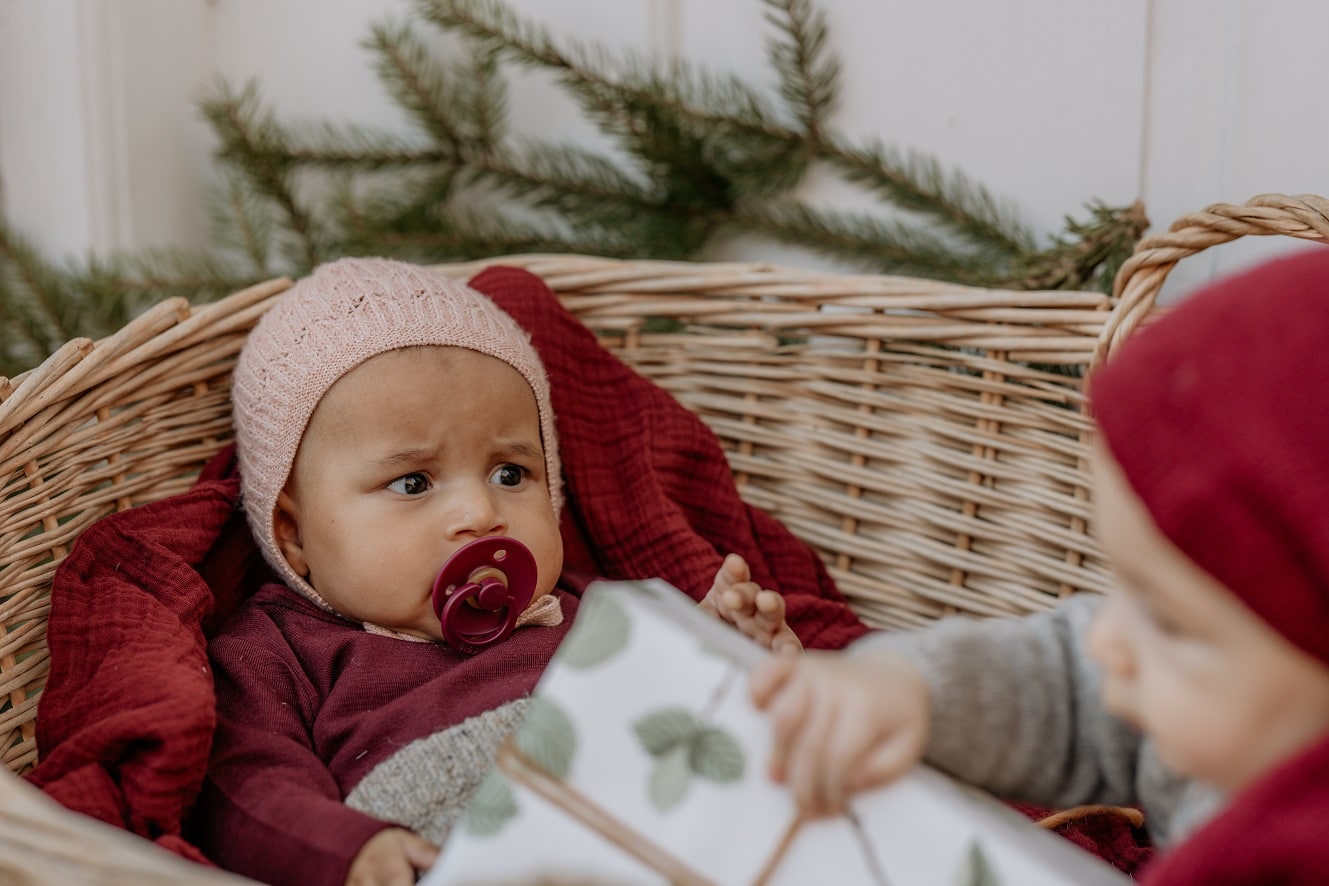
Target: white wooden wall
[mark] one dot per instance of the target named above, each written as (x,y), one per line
(1049,103)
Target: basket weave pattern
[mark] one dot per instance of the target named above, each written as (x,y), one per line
(929,440)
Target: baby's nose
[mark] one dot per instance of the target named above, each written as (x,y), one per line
(474,512)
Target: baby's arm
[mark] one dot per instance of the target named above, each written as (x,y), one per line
(1011,705)
(391,858)
(842,723)
(757,612)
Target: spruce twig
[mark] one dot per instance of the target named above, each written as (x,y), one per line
(917,182)
(888,246)
(29,289)
(698,153)
(256,145)
(809,80)
(1087,254)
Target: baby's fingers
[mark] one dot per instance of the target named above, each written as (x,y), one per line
(733,569)
(786,643)
(420,852)
(769,678)
(809,771)
(770,606)
(886,762)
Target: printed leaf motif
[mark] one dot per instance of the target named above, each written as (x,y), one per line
(548,737)
(665,730)
(670,779)
(717,756)
(684,748)
(492,806)
(598,634)
(976,870)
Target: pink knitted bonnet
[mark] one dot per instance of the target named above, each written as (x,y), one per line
(330,322)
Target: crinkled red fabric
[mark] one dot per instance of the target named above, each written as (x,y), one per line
(128,711)
(649,491)
(127,715)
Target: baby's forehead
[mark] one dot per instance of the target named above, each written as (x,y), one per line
(404,384)
(412,365)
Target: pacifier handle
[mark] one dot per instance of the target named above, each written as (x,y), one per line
(481,590)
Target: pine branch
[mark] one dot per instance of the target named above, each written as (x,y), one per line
(482,98)
(254,143)
(241,222)
(1087,254)
(417,84)
(879,245)
(589,74)
(703,153)
(809,81)
(641,218)
(583,185)
(42,310)
(143,279)
(693,164)
(918,183)
(464,234)
(910,181)
(348,148)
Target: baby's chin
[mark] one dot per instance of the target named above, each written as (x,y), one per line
(433,634)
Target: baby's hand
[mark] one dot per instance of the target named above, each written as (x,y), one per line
(842,722)
(757,612)
(392,857)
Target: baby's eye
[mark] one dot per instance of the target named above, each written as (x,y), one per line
(508,475)
(410,484)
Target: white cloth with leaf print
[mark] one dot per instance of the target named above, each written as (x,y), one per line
(642,760)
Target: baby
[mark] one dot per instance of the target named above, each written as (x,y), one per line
(385,418)
(1211,489)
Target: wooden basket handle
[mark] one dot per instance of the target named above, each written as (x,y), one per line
(1141,276)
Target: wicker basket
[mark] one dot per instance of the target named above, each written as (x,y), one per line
(927,439)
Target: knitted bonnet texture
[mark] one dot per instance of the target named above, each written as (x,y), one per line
(1218,414)
(324,326)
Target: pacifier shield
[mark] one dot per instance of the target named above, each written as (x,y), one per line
(481,590)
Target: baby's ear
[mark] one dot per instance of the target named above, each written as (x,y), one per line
(286,526)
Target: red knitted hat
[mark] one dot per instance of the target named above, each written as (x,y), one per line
(1218,414)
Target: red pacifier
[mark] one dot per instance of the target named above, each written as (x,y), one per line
(481,590)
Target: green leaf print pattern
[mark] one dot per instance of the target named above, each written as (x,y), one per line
(670,778)
(684,747)
(492,806)
(548,737)
(716,756)
(599,633)
(665,730)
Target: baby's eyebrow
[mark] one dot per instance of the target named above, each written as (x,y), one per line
(402,457)
(521,448)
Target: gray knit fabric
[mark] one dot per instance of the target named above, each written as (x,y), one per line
(426,785)
(1016,711)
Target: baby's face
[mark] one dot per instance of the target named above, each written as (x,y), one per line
(1222,694)
(408,457)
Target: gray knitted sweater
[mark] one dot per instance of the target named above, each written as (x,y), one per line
(1016,711)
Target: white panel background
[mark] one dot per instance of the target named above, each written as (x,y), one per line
(1049,103)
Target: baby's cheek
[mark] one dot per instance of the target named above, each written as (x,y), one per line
(550,566)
